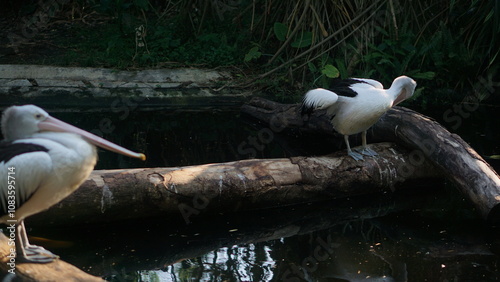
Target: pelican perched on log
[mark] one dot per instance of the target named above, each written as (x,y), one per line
(42,161)
(355,104)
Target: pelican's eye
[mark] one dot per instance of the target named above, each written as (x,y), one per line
(38,116)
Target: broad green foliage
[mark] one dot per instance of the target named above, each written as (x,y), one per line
(281,31)
(254,53)
(330,71)
(304,39)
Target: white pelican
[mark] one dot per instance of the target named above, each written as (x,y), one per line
(42,160)
(356,104)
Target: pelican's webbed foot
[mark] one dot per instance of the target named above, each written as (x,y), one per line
(36,254)
(356,156)
(25,252)
(367,151)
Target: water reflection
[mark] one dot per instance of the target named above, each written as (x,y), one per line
(368,250)
(244,263)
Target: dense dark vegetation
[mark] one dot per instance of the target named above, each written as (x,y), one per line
(449,46)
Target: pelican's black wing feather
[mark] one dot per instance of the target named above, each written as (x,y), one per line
(8,150)
(342,87)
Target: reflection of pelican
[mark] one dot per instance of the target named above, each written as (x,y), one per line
(356,104)
(42,160)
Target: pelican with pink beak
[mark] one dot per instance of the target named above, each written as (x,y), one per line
(42,161)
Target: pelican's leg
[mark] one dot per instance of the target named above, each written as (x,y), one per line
(364,149)
(33,249)
(354,155)
(30,253)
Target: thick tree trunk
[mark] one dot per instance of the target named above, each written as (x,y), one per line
(426,139)
(57,270)
(185,192)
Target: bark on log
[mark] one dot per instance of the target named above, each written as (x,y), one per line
(185,192)
(426,138)
(57,270)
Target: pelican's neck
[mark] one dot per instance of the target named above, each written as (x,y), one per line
(401,89)
(396,89)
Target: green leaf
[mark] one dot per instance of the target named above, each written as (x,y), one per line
(304,40)
(385,61)
(381,30)
(280,30)
(312,67)
(341,67)
(254,53)
(330,71)
(424,75)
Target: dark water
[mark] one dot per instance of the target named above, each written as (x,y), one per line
(427,233)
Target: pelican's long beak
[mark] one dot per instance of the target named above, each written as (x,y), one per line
(53,124)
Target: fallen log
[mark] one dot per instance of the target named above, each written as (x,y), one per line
(57,270)
(426,139)
(185,192)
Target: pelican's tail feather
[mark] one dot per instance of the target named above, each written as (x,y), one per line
(318,99)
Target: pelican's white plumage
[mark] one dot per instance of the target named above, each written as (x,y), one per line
(356,104)
(49,160)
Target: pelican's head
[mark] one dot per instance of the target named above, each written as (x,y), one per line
(19,122)
(403,87)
